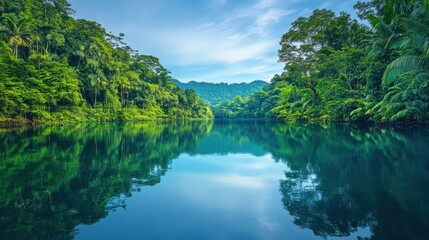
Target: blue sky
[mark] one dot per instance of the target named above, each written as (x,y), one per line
(206,40)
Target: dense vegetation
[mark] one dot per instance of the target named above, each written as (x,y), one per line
(56,68)
(339,69)
(214,93)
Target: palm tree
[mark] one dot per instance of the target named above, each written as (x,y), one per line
(19,32)
(407,77)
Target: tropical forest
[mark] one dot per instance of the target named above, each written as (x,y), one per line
(338,69)
(214,119)
(55,68)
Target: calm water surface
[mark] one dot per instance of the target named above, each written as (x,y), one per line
(214,180)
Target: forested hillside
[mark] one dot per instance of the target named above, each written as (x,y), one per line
(214,93)
(57,68)
(341,69)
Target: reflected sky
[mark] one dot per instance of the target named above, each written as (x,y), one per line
(210,196)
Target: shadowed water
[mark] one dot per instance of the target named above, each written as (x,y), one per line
(222,180)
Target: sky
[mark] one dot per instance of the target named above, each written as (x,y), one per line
(215,41)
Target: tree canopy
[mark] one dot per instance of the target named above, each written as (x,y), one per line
(341,69)
(57,68)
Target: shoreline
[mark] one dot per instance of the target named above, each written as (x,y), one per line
(9,123)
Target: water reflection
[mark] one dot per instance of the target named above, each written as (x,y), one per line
(55,178)
(358,177)
(344,178)
(339,180)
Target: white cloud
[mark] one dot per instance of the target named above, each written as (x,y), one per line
(214,45)
(266,3)
(240,43)
(243,72)
(236,37)
(271,16)
(234,180)
(221,2)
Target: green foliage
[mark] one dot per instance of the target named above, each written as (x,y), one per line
(214,93)
(256,105)
(53,66)
(325,72)
(406,79)
(18,30)
(337,69)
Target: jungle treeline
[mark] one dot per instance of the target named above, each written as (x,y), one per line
(375,69)
(55,68)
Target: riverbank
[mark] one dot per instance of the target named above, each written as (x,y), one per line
(98,114)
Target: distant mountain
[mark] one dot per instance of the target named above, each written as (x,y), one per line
(214,93)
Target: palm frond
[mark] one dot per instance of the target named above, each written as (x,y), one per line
(417,27)
(426,4)
(415,42)
(3,29)
(389,9)
(373,20)
(402,65)
(392,91)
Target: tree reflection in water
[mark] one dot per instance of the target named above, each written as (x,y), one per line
(55,178)
(340,178)
(343,178)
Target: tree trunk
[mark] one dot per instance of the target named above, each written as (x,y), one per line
(122,95)
(16,51)
(95,98)
(47,47)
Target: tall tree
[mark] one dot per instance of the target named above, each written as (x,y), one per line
(19,32)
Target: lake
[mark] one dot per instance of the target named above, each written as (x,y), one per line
(214,180)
